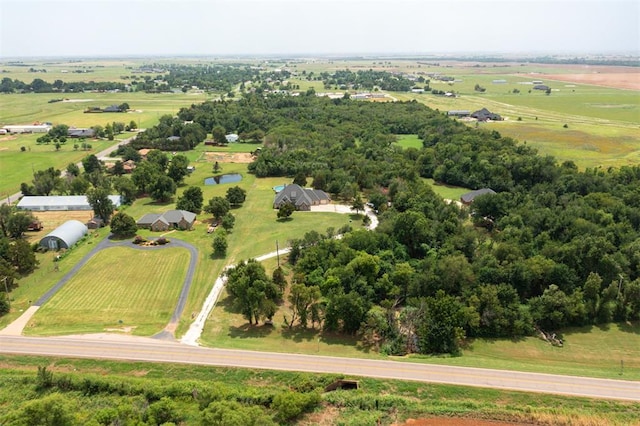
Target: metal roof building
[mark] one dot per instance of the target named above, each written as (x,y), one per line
(64,236)
(61,202)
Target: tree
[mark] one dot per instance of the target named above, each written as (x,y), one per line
(133,125)
(159,158)
(144,175)
(178,168)
(253,292)
(191,200)
(441,328)
(118,168)
(91,163)
(302,298)
(126,188)
(124,107)
(236,196)
(357,204)
(286,210)
(218,207)
(99,201)
(5,306)
(18,223)
(232,413)
(216,167)
(220,244)
(73,169)
(219,135)
(163,189)
(45,181)
(300,179)
(22,257)
(53,410)
(228,221)
(123,225)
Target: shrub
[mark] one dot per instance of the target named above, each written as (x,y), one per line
(290,405)
(162,241)
(139,240)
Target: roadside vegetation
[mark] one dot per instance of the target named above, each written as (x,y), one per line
(82,392)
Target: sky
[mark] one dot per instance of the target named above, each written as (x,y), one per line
(98,28)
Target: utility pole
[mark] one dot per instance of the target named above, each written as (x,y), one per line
(6,289)
(278,253)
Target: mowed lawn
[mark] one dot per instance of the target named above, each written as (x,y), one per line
(119,288)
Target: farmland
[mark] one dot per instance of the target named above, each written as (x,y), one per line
(119,289)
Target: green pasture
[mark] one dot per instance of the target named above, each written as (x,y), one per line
(118,288)
(17,166)
(146,108)
(448,192)
(409,141)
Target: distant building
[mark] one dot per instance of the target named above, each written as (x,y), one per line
(232,137)
(81,133)
(541,87)
(484,115)
(459,113)
(28,128)
(499,81)
(61,202)
(468,198)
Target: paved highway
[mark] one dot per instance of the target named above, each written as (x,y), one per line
(142,349)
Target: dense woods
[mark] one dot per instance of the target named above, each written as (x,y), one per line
(554,247)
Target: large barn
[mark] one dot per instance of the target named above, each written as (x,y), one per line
(64,236)
(61,202)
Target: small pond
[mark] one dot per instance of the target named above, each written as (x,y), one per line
(220,179)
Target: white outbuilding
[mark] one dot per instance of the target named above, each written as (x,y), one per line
(61,202)
(64,236)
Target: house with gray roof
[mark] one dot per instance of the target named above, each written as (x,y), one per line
(302,198)
(171,219)
(468,198)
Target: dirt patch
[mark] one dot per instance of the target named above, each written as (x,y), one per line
(77,100)
(228,157)
(449,421)
(618,80)
(51,220)
(8,138)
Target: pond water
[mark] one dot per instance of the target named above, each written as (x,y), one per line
(220,179)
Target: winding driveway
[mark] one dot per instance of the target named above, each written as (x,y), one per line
(16,327)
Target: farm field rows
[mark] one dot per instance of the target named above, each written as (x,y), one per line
(119,289)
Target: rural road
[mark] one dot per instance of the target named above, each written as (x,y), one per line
(10,199)
(141,349)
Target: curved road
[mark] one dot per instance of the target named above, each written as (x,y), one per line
(142,349)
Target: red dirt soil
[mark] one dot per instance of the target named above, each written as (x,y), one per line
(621,80)
(448,421)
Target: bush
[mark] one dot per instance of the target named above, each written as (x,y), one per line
(162,241)
(139,240)
(290,405)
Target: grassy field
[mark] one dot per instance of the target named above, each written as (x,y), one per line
(409,141)
(119,288)
(17,166)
